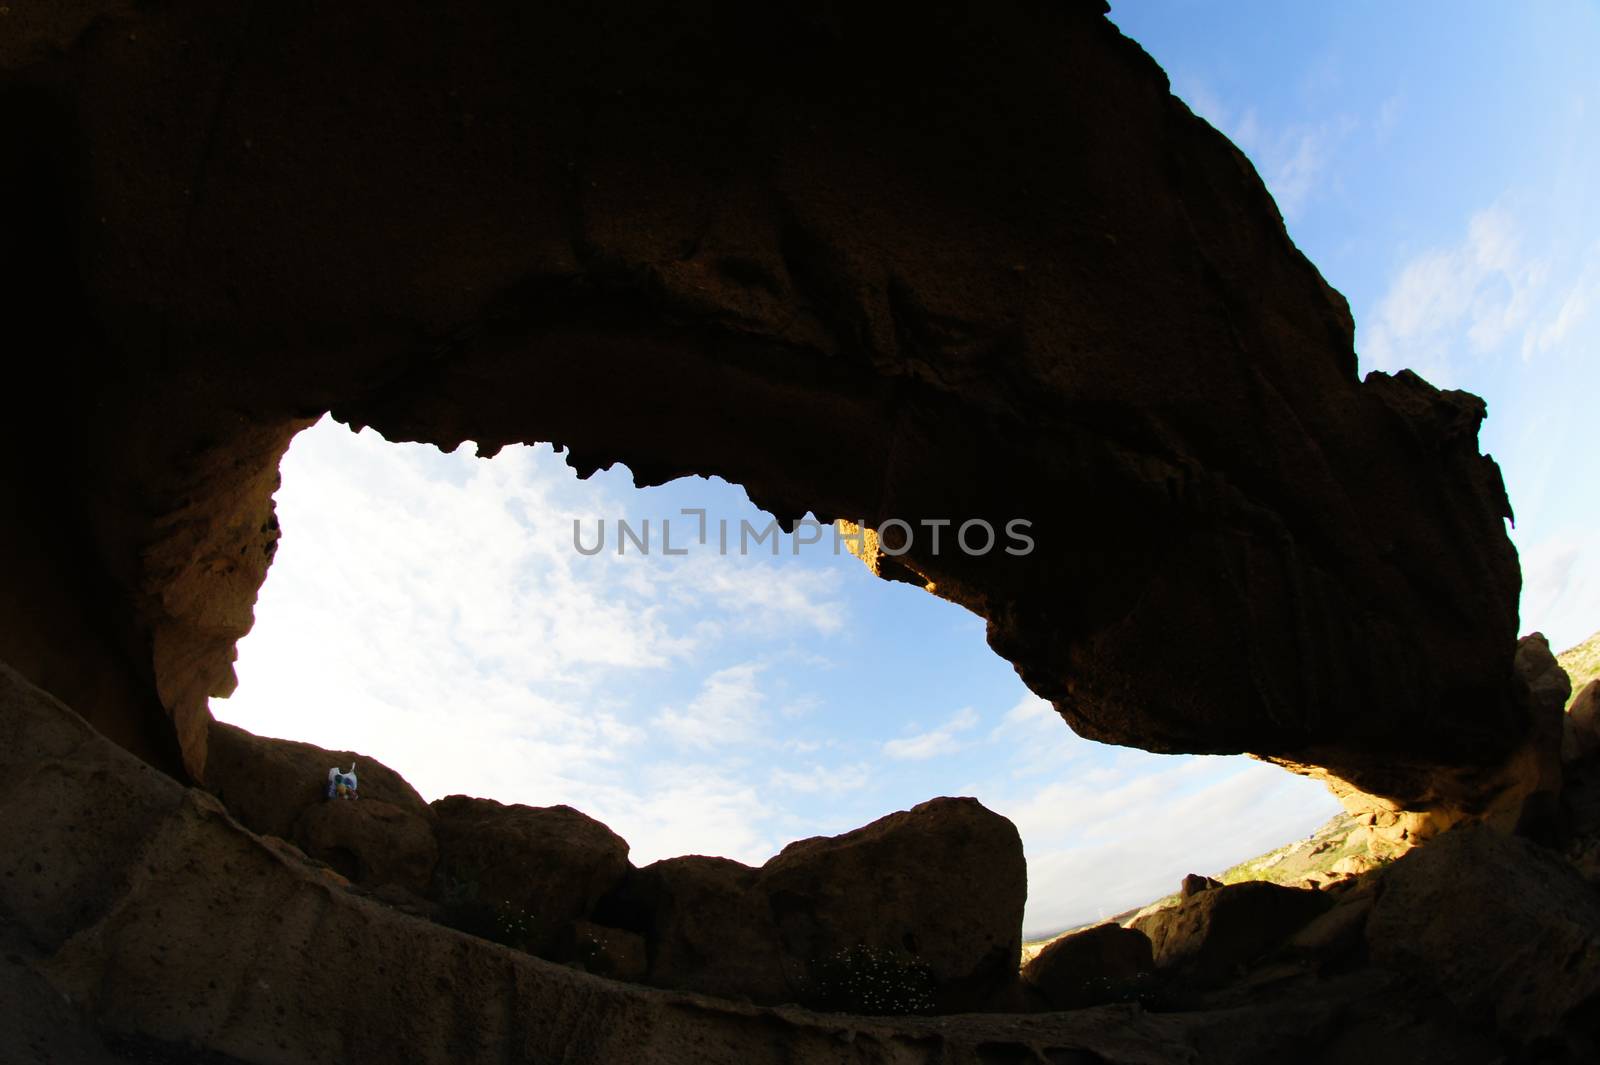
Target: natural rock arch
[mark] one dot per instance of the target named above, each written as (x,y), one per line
(883,262)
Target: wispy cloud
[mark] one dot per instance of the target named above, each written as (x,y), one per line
(726,710)
(821,779)
(1293,159)
(1561,585)
(1119,835)
(939,741)
(1487,296)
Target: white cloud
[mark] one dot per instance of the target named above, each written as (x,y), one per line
(688,809)
(1117,837)
(726,710)
(1487,296)
(1040,740)
(821,779)
(1561,586)
(938,741)
(1292,160)
(429,610)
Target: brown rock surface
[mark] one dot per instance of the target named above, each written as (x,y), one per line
(1216,932)
(1505,929)
(545,224)
(710,930)
(372,842)
(269,784)
(1089,967)
(940,886)
(943,883)
(1583,720)
(189,936)
(550,864)
(608,952)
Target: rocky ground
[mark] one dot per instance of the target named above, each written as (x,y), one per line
(146,921)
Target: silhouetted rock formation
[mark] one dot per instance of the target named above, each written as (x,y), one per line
(943,883)
(850,262)
(152,920)
(940,887)
(884,261)
(546,866)
(1090,967)
(1506,929)
(1212,934)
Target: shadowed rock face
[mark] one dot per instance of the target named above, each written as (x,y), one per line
(876,263)
(149,920)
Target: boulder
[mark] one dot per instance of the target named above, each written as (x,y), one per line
(1354,865)
(1532,779)
(932,893)
(540,867)
(1507,930)
(710,930)
(1087,968)
(142,922)
(1211,935)
(1582,738)
(1194,883)
(372,842)
(942,885)
(1335,934)
(268,784)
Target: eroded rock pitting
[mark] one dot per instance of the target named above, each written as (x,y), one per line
(841,257)
(880,262)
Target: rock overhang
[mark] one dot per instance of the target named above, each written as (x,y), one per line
(845,258)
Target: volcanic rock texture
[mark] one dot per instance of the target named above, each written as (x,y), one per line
(874,262)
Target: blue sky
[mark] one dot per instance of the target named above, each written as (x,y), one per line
(429,609)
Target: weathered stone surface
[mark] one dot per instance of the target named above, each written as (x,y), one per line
(943,883)
(1214,933)
(549,864)
(196,936)
(270,784)
(608,952)
(1507,930)
(940,886)
(1583,724)
(1335,934)
(1089,967)
(372,842)
(1194,883)
(747,221)
(195,933)
(710,930)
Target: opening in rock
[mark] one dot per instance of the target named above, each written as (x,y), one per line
(430,610)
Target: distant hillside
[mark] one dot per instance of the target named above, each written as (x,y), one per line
(1292,864)
(1314,857)
(1582,663)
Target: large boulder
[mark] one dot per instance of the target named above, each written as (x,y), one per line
(1086,968)
(710,929)
(934,894)
(1506,929)
(372,842)
(1582,734)
(268,784)
(942,884)
(542,868)
(1212,934)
